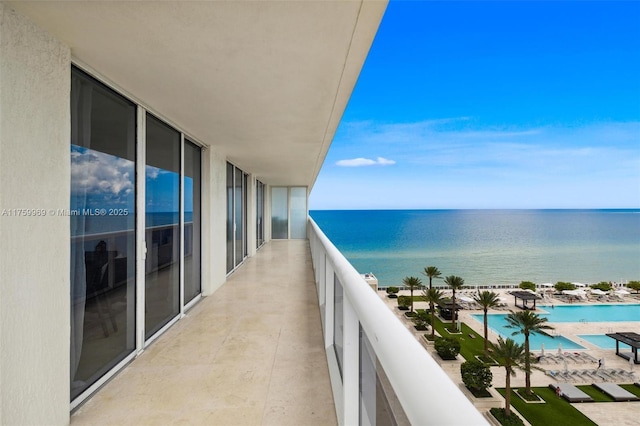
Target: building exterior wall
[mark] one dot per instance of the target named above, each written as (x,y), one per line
(215,214)
(34,250)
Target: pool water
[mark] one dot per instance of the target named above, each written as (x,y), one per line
(592,313)
(603,341)
(498,324)
(568,313)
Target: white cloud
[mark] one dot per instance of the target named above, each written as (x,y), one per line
(359,162)
(95,172)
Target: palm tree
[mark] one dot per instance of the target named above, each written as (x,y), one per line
(432,272)
(455,283)
(527,323)
(486,299)
(510,355)
(433,296)
(414,284)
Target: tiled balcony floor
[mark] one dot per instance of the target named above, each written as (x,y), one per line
(250,354)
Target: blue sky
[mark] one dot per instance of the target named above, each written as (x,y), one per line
(492,105)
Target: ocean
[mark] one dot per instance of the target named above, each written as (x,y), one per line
(485,247)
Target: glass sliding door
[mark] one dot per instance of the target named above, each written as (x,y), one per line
(102,219)
(259,214)
(236,216)
(239,215)
(162,226)
(279,213)
(192,221)
(230,219)
(298,213)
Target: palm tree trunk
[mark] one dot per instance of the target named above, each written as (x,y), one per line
(486,335)
(433,320)
(507,395)
(527,366)
(453,309)
(411,299)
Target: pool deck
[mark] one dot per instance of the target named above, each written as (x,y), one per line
(604,413)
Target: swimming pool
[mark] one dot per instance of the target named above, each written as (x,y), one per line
(498,324)
(602,341)
(592,313)
(568,313)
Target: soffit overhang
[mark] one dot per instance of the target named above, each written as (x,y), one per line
(265,82)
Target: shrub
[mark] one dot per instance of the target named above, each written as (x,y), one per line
(392,292)
(476,375)
(564,286)
(634,285)
(422,319)
(512,420)
(447,347)
(404,302)
(603,285)
(527,285)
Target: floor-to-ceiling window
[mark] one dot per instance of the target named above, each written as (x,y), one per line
(289,212)
(102,218)
(192,221)
(279,213)
(102,214)
(298,213)
(162,226)
(259,213)
(236,216)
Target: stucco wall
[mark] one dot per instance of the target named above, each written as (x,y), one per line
(34,251)
(215,213)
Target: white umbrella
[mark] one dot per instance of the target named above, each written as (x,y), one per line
(559,348)
(622,291)
(579,284)
(541,349)
(566,367)
(598,292)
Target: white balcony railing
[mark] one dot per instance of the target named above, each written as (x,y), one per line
(412,388)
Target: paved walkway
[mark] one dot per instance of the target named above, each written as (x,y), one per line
(250,354)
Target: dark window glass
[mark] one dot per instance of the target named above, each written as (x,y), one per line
(230,218)
(162,227)
(192,221)
(239,216)
(102,219)
(259,214)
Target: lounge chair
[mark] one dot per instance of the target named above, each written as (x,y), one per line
(588,357)
(616,392)
(571,393)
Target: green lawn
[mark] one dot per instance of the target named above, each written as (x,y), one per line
(469,346)
(556,411)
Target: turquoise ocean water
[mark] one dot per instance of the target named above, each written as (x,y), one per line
(489,246)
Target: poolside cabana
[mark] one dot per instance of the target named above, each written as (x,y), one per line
(628,338)
(445,308)
(525,296)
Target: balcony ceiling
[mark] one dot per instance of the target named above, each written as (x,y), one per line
(264,81)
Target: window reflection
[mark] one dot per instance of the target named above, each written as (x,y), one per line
(162,227)
(102,219)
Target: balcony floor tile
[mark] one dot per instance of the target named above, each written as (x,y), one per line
(250,354)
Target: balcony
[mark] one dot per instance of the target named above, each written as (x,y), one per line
(283,343)
(251,353)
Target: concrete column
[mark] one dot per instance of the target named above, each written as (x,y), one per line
(35,82)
